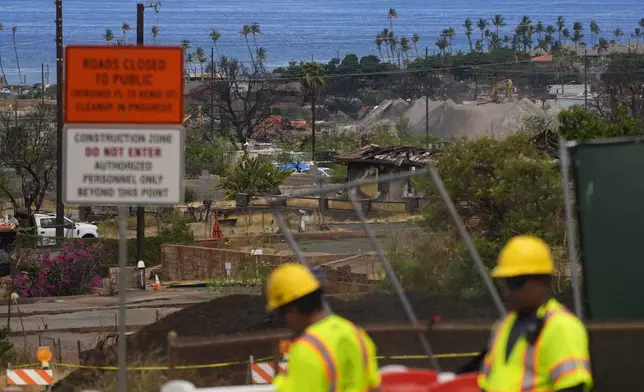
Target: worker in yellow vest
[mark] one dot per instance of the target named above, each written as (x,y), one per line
(329,353)
(539,345)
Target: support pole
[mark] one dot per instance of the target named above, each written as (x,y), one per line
(586,78)
(122,287)
(570,229)
(140,211)
(391,274)
(60,208)
(438,183)
(288,235)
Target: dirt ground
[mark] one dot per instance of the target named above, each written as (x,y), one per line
(616,354)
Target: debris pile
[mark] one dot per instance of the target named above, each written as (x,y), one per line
(448,119)
(246,313)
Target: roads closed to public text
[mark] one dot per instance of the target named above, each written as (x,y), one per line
(123,166)
(126,85)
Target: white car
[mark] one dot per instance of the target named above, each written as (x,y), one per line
(46,228)
(325,171)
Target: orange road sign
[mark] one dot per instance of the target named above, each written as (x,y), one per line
(123,85)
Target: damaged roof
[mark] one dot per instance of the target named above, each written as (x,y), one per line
(398,155)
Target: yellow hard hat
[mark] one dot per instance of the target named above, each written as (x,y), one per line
(287,283)
(524,255)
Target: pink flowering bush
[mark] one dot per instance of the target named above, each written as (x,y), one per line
(72,270)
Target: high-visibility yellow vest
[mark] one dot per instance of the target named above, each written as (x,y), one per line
(558,359)
(332,355)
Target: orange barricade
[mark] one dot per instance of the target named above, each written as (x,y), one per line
(412,380)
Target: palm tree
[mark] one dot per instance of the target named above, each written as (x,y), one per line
(261,55)
(186,58)
(14,28)
(414,40)
(255,31)
(482,24)
(108,36)
(637,33)
(550,29)
(125,27)
(495,42)
(405,47)
(449,34)
(4,76)
(602,46)
(618,33)
(313,81)
(200,57)
(442,43)
(565,34)
(154,31)
(379,41)
(245,31)
(157,9)
(468,32)
(385,36)
(540,29)
(577,37)
(498,21)
(215,36)
(561,25)
(594,32)
(391,15)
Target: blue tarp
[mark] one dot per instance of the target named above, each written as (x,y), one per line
(295,166)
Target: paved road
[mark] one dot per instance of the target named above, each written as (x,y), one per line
(389,232)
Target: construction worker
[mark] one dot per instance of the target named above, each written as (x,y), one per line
(329,353)
(539,345)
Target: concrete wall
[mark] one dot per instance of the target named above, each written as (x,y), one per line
(181,262)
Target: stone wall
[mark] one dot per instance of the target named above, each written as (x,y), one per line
(182,262)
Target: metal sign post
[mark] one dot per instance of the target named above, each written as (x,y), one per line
(122,287)
(123,140)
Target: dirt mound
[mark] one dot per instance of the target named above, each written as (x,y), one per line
(389,110)
(246,313)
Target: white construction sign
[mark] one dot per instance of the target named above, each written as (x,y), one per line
(123,166)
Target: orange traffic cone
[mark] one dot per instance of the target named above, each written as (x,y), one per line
(157,283)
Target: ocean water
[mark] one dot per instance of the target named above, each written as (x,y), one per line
(292,29)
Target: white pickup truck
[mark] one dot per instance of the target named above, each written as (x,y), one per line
(44,225)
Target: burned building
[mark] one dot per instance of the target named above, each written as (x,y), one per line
(374,161)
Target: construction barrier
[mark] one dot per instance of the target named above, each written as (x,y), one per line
(30,377)
(264,372)
(225,364)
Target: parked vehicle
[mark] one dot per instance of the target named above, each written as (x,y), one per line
(43,225)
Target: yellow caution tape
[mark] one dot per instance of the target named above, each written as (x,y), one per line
(224,364)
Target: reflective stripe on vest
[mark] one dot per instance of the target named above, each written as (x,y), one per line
(531,360)
(327,360)
(568,366)
(365,360)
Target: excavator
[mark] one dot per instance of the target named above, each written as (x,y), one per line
(504,84)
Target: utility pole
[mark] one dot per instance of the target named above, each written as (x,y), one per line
(586,78)
(476,84)
(60,209)
(212,91)
(427,99)
(140,211)
(42,84)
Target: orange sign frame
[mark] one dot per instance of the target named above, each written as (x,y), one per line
(124,84)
